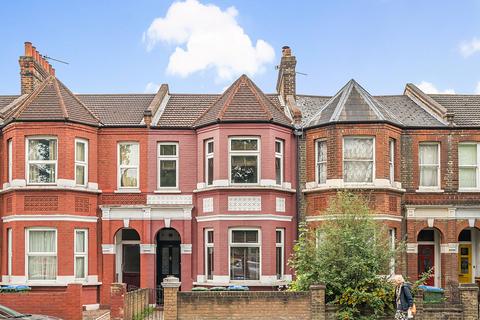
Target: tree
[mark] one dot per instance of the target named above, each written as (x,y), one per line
(348,253)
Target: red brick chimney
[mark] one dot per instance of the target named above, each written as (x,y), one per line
(33,69)
(286,81)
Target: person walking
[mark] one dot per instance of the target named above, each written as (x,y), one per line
(403,299)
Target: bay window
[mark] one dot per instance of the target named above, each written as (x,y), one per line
(468,163)
(10,159)
(41,160)
(429,162)
(321,161)
(279,252)
(209,264)
(168,165)
(81,253)
(244,248)
(81,162)
(209,155)
(358,159)
(244,160)
(41,254)
(128,161)
(279,162)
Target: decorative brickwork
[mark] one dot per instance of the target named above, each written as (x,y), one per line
(82,204)
(41,203)
(123,199)
(8,204)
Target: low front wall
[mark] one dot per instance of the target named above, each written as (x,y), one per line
(243,305)
(66,305)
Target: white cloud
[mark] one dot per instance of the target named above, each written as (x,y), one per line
(151,87)
(207,37)
(429,87)
(477,89)
(468,48)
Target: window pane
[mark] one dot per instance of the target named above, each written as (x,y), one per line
(321,151)
(358,149)
(278,170)
(168,173)
(210,236)
(278,146)
(80,151)
(244,169)
(168,149)
(210,171)
(429,154)
(129,154)
(210,263)
(467,155)
(80,174)
(358,171)
(41,241)
(467,177)
(244,263)
(79,267)
(42,149)
(278,262)
(175,260)
(429,176)
(41,173)
(128,177)
(322,173)
(210,147)
(42,268)
(244,144)
(247,236)
(80,241)
(278,236)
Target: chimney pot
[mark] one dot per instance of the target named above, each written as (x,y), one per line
(286,51)
(34,53)
(28,49)
(53,71)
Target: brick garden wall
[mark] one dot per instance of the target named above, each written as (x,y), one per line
(66,305)
(243,305)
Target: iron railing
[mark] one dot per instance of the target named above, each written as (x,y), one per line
(142,304)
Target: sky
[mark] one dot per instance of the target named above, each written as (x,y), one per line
(202,46)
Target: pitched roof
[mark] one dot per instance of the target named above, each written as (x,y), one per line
(352,103)
(118,109)
(243,101)
(52,100)
(466,108)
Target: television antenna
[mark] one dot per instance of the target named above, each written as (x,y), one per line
(53,59)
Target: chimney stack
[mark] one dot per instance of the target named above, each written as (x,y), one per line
(286,81)
(34,69)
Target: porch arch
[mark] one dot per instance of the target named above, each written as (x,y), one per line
(127,257)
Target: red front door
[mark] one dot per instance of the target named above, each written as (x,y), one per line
(426,261)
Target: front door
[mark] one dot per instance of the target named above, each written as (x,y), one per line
(168,257)
(131,265)
(426,261)
(465,263)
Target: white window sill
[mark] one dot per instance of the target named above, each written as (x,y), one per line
(167,191)
(473,190)
(245,187)
(133,190)
(429,190)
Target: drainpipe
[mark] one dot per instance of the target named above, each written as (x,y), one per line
(298,132)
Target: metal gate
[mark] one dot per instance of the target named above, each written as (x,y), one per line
(142,304)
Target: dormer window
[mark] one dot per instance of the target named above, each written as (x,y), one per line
(244,160)
(358,159)
(42,160)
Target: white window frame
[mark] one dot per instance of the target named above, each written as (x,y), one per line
(477,167)
(10,159)
(80,254)
(437,187)
(392,237)
(244,153)
(373,159)
(81,163)
(28,162)
(280,155)
(317,163)
(280,245)
(391,160)
(160,158)
(9,251)
(122,166)
(208,245)
(208,156)
(36,254)
(243,245)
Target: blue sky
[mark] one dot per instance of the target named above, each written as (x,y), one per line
(383,44)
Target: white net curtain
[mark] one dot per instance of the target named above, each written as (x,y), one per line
(358,159)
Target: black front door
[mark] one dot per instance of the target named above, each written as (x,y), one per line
(168,257)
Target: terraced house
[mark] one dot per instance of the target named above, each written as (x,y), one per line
(103,188)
